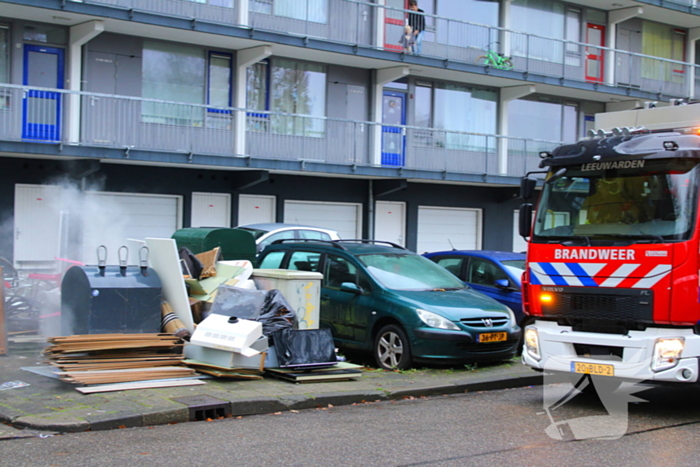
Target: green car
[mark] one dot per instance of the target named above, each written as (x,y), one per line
(380,297)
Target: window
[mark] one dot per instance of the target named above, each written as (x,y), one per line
(315,11)
(663,41)
(338,271)
(219,80)
(549,121)
(483,272)
(461,109)
(304,261)
(4,55)
(173,72)
(454,265)
(289,87)
(534,17)
(472,11)
(272,260)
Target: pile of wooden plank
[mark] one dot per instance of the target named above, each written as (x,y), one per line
(117,358)
(342,371)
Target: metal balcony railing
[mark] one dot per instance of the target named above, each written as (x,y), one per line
(355,22)
(101,120)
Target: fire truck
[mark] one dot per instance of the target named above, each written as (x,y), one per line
(612,283)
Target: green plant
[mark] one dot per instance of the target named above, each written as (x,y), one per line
(470,366)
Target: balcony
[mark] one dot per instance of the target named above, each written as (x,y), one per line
(375,26)
(54,116)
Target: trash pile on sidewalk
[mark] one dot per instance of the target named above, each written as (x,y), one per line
(179,316)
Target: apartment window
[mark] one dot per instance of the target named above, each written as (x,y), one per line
(663,41)
(219,80)
(4,54)
(459,34)
(289,87)
(173,72)
(543,120)
(459,111)
(315,11)
(542,18)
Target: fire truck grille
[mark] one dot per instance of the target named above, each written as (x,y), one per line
(613,305)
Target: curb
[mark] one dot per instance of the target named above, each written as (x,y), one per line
(254,406)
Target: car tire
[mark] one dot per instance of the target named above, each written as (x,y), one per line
(391,348)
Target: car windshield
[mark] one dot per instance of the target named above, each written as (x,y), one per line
(406,271)
(653,203)
(515,266)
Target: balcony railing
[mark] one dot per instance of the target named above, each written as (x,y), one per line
(108,121)
(356,22)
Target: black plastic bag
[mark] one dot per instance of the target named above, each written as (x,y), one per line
(268,307)
(191,265)
(299,348)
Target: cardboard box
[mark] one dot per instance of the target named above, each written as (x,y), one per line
(227,333)
(228,359)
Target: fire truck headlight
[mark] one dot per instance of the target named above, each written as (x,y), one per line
(667,352)
(532,343)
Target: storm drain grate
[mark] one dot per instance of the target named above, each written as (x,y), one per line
(205,407)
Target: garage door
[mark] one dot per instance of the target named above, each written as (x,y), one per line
(124,216)
(519,243)
(441,228)
(345,218)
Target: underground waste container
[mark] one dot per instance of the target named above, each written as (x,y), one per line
(235,243)
(110,299)
(301,289)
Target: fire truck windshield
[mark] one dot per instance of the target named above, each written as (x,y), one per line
(643,201)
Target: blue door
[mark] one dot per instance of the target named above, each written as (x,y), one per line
(41,118)
(393,137)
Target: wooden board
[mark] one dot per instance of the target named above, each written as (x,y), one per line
(166,263)
(138,385)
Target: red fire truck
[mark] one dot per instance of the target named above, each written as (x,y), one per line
(612,284)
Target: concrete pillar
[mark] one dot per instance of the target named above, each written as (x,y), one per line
(614,18)
(379,24)
(507,95)
(244,58)
(242,9)
(382,76)
(79,35)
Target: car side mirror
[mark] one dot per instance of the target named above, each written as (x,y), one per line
(350,287)
(527,187)
(502,284)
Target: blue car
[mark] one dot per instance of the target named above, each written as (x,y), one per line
(493,273)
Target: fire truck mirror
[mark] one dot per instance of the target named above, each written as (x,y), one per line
(525,219)
(527,187)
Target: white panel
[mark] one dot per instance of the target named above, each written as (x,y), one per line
(112,218)
(256,209)
(519,244)
(442,228)
(37,225)
(345,218)
(390,222)
(211,210)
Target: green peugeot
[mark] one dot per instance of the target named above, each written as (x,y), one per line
(379,297)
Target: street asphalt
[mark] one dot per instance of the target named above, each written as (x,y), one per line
(32,404)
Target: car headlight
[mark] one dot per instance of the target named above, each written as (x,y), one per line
(532,343)
(667,352)
(436,321)
(512,316)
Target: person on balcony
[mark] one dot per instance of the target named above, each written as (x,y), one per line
(417,23)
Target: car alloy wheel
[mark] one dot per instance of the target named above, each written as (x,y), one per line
(391,348)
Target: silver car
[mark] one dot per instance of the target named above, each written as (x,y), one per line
(265,234)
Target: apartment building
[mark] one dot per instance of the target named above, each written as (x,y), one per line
(123,119)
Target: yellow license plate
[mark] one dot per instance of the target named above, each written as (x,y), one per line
(592,369)
(492,337)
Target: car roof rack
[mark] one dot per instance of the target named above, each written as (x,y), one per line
(308,240)
(359,240)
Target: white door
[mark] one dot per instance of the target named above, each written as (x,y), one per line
(112,219)
(519,244)
(390,222)
(256,209)
(211,210)
(345,218)
(441,228)
(37,221)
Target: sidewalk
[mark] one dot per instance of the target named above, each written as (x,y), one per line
(47,406)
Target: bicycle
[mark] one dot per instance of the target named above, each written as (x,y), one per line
(495,59)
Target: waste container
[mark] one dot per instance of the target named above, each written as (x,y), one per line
(234,243)
(110,299)
(301,289)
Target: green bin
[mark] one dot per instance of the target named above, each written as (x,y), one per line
(235,243)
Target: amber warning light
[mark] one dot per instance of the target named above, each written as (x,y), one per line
(546,297)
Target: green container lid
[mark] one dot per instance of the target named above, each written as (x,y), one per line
(235,243)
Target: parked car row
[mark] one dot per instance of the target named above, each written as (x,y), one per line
(405,308)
